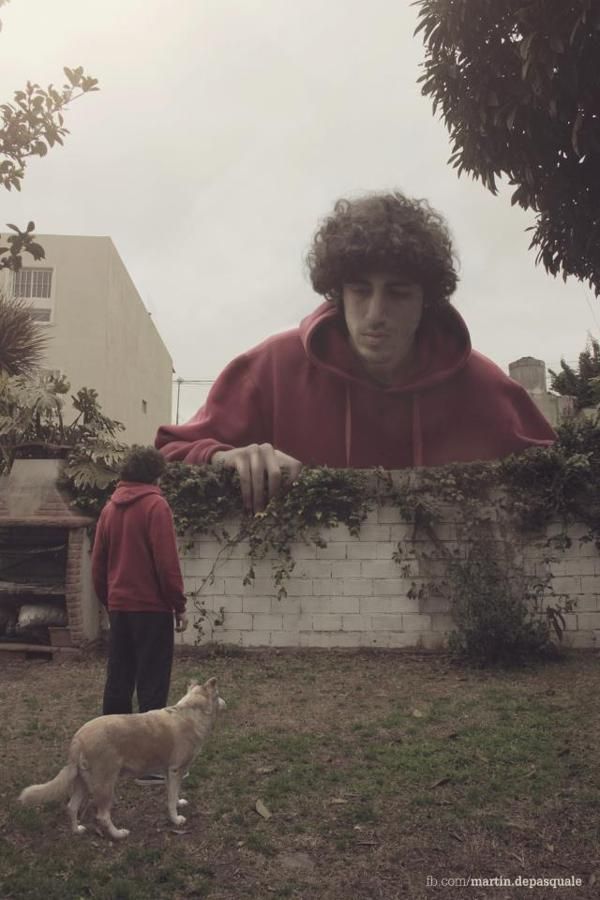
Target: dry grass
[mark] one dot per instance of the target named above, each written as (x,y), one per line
(379,770)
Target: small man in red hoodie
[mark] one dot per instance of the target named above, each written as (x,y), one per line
(380,374)
(137,576)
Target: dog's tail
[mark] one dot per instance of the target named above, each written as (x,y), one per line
(57,789)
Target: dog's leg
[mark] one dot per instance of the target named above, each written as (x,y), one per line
(103,797)
(173,783)
(78,795)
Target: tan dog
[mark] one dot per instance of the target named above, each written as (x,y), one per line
(162,740)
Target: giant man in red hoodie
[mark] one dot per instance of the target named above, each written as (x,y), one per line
(381,374)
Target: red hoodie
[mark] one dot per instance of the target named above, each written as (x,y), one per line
(135,566)
(304,392)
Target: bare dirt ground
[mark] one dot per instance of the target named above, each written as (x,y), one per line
(386,775)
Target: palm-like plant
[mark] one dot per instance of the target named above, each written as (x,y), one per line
(22,342)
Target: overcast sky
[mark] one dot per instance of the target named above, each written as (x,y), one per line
(225,129)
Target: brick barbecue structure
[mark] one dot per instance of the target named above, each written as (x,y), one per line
(44,559)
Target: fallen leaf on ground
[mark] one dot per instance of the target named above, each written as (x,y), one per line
(262,810)
(266,770)
(440,781)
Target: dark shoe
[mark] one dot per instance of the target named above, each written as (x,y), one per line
(153,778)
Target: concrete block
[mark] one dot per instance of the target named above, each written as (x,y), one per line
(389,515)
(386,550)
(363,549)
(333,550)
(327,587)
(314,568)
(298,587)
(356,623)
(267,622)
(343,605)
(315,639)
(413,622)
(568,584)
(326,622)
(285,638)
(297,622)
(379,568)
(387,622)
(238,622)
(588,621)
(348,568)
(357,587)
(256,604)
(195,568)
(339,533)
(375,639)
(385,605)
(255,638)
(391,586)
(590,584)
(375,533)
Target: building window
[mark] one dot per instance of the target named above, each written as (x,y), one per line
(41,314)
(33,283)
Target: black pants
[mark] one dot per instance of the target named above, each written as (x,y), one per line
(140,655)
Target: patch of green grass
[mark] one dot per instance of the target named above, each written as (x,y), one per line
(259,842)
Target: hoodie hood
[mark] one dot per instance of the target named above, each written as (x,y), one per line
(128,492)
(443,348)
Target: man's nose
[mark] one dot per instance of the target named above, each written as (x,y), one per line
(378,306)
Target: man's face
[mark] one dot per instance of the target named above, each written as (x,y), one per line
(382,312)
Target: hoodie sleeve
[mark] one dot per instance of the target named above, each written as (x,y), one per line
(166,559)
(529,426)
(231,417)
(100,563)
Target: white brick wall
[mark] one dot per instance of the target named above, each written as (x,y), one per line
(352,594)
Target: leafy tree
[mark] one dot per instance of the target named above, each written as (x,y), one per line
(582,383)
(517,84)
(22,342)
(29,126)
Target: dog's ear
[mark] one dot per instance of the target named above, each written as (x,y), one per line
(192,683)
(211,685)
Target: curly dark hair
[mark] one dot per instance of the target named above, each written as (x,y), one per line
(144,464)
(383,231)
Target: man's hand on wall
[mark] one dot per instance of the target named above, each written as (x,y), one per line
(259,466)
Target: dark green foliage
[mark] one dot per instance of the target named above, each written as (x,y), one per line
(582,383)
(31,421)
(492,611)
(201,496)
(30,126)
(517,84)
(22,342)
(559,483)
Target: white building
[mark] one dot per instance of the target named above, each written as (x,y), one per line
(100,333)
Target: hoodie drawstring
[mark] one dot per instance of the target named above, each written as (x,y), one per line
(348,429)
(417,436)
